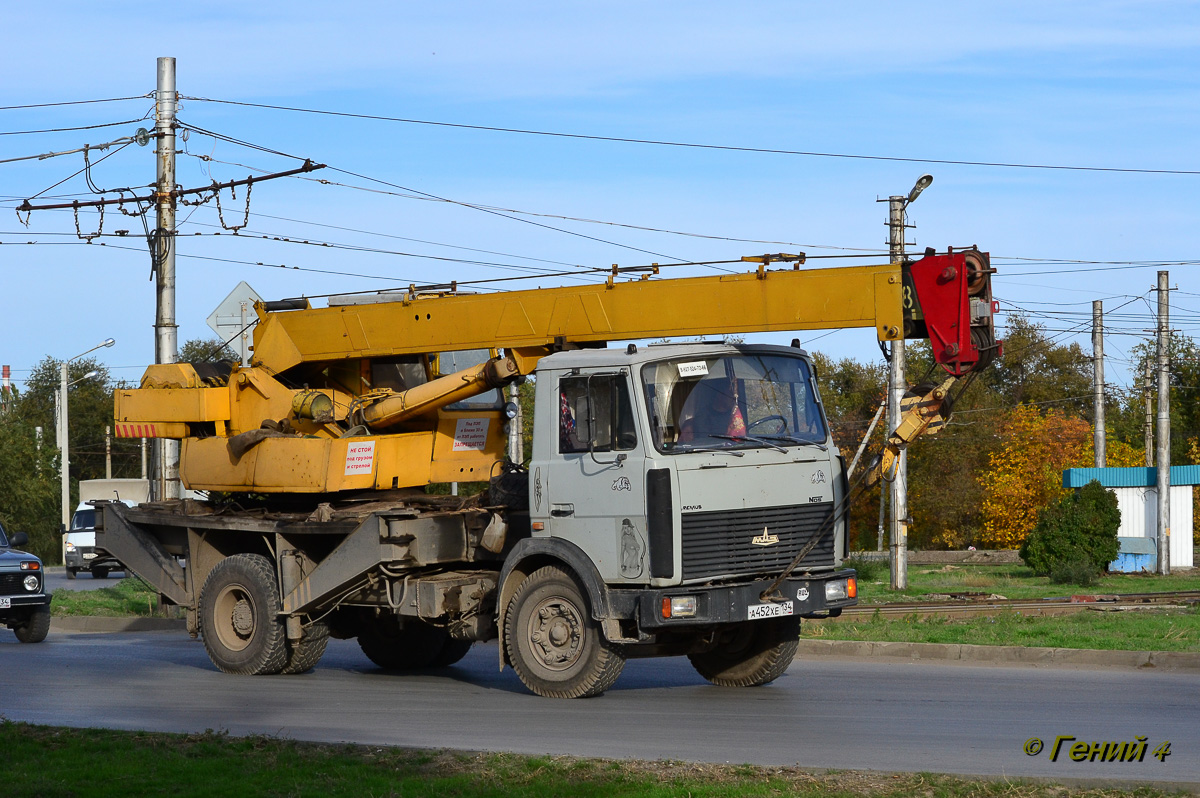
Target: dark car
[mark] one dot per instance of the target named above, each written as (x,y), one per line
(24,602)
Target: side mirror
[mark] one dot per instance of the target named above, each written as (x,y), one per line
(19,539)
(62,529)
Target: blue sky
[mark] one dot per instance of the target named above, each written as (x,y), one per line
(1107,84)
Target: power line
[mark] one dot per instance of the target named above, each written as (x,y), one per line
(76,102)
(693,145)
(69,129)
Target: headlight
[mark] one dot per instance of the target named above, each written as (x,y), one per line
(31,583)
(679,606)
(70,547)
(836,590)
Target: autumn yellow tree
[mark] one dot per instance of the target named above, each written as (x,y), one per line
(1025,473)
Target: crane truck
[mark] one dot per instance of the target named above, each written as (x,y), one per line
(681,499)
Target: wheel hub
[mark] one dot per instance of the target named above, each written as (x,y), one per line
(243,618)
(556,632)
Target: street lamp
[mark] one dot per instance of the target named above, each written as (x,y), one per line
(897,386)
(64,455)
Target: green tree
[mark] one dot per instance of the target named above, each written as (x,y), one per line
(29,475)
(206,350)
(1079,528)
(1034,369)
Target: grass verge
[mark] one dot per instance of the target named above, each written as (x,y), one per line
(1010,581)
(1140,630)
(49,761)
(129,596)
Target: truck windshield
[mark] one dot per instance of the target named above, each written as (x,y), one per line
(740,400)
(84,519)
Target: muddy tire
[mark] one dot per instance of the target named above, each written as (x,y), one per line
(306,652)
(555,647)
(394,647)
(451,652)
(750,654)
(239,617)
(35,627)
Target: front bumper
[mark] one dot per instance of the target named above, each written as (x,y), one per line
(18,604)
(735,603)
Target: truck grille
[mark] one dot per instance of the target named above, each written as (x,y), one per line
(719,543)
(12,584)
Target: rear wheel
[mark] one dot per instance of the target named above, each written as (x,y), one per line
(750,654)
(452,652)
(304,654)
(394,647)
(552,642)
(34,628)
(239,617)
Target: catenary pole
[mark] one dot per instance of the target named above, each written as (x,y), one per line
(897,385)
(166,343)
(1148,425)
(1098,383)
(1163,444)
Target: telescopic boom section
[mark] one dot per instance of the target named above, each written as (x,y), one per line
(311,414)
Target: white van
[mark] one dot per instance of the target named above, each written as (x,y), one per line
(79,549)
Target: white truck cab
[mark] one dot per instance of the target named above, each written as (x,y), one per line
(79,542)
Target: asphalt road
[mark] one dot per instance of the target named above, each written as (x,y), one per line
(826,713)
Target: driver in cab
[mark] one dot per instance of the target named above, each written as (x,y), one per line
(711,414)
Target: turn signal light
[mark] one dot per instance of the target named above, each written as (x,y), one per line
(30,566)
(852,588)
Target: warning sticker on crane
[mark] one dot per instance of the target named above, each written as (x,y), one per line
(470,434)
(360,458)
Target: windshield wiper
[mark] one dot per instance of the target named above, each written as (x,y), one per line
(685,449)
(752,439)
(800,441)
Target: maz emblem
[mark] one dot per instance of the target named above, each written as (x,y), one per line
(622,483)
(818,477)
(765,539)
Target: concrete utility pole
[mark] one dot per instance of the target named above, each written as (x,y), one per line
(516,440)
(166,342)
(1098,382)
(1163,449)
(897,386)
(1148,425)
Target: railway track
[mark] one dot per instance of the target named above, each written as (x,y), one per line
(968,605)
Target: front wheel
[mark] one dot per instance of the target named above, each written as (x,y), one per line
(72,573)
(34,628)
(99,573)
(750,654)
(239,617)
(555,647)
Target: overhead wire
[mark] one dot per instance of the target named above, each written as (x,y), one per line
(69,129)
(77,102)
(695,145)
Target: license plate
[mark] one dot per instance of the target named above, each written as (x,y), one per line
(89,556)
(5,603)
(778,609)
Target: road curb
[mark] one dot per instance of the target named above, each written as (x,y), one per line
(1002,655)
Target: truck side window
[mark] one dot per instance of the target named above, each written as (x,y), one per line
(595,410)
